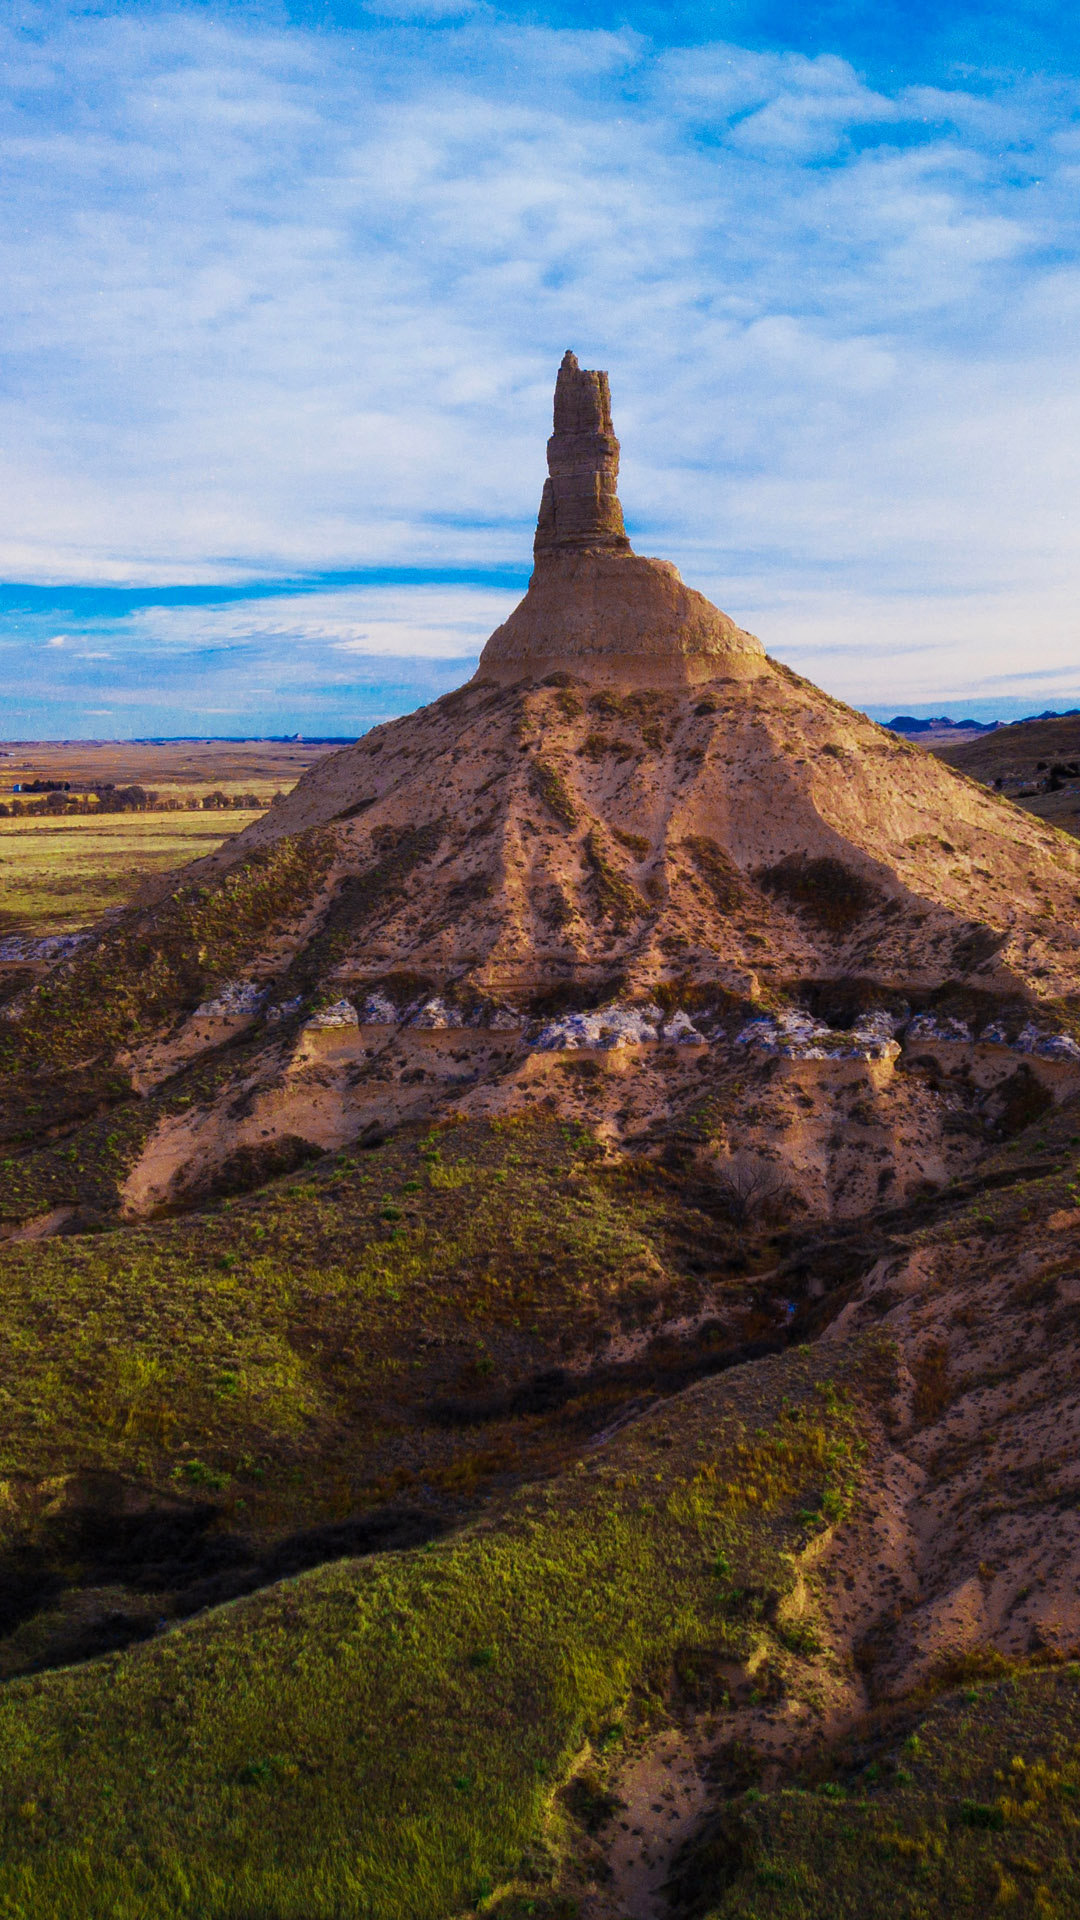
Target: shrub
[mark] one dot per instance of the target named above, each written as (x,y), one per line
(975,1813)
(749,1191)
(717,869)
(548,783)
(827,891)
(615,898)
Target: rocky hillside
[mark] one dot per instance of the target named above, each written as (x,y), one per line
(565,1223)
(1035,763)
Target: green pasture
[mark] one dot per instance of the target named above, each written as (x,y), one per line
(59,875)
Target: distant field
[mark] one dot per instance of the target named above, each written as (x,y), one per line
(180,766)
(57,875)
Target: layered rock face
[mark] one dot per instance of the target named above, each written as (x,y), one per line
(594,607)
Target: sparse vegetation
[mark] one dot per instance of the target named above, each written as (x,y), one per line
(601,746)
(617,899)
(134,975)
(567,700)
(552,789)
(307,1296)
(750,1191)
(717,869)
(974,1811)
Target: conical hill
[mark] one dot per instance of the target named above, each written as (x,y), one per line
(630,815)
(629,782)
(749,825)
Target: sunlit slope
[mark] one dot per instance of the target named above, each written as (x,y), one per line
(385,1737)
(503,838)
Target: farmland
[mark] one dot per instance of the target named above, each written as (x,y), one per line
(58,875)
(60,872)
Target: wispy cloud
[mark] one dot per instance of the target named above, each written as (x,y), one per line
(333,662)
(278,299)
(415,622)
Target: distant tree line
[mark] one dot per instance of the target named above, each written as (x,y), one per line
(49,797)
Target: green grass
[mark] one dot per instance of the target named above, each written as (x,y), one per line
(975,1809)
(336,1304)
(383,1738)
(136,977)
(59,875)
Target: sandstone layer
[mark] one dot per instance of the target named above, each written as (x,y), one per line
(620,620)
(580,502)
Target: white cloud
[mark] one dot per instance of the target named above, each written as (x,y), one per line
(277,300)
(327,662)
(917,648)
(416,623)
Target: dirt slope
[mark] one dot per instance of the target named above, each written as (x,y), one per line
(701,807)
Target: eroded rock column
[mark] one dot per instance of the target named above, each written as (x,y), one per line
(580,504)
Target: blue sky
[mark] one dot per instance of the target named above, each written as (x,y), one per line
(283,288)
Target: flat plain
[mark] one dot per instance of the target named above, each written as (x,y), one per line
(186,765)
(60,874)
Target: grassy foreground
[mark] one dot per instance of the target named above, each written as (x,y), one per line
(276,1349)
(973,1808)
(383,1738)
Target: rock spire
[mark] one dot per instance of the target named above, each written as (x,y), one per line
(580,504)
(595,608)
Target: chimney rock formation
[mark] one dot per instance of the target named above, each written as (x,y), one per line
(595,608)
(580,504)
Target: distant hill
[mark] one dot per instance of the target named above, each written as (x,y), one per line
(928,733)
(1021,752)
(1034,762)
